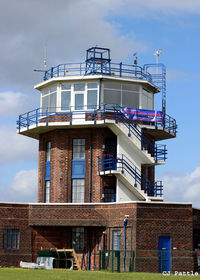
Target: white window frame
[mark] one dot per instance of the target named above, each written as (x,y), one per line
(73,93)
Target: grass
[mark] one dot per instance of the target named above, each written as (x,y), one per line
(31,274)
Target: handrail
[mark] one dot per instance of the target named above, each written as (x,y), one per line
(51,114)
(121,163)
(114,69)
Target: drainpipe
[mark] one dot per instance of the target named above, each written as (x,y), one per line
(124,256)
(100,93)
(88,264)
(90,167)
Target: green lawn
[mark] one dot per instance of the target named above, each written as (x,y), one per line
(31,274)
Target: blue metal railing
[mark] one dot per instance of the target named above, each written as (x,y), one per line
(125,165)
(115,69)
(107,111)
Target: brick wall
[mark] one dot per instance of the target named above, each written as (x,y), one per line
(49,226)
(174,220)
(61,163)
(15,216)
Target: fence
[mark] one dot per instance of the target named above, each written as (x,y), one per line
(162,261)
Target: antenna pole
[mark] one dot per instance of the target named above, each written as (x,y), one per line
(45,58)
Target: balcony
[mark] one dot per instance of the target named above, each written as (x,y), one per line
(131,173)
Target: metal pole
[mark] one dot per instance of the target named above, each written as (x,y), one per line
(124,256)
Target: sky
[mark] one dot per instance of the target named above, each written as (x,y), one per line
(67,28)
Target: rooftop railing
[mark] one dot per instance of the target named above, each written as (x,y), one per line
(113,69)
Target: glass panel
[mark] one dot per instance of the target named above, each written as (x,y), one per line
(53,102)
(109,194)
(53,89)
(47,191)
(78,190)
(48,151)
(130,99)
(78,239)
(116,240)
(112,97)
(92,99)
(131,87)
(45,102)
(147,100)
(11,239)
(79,101)
(44,92)
(112,85)
(65,86)
(92,85)
(65,100)
(79,87)
(78,148)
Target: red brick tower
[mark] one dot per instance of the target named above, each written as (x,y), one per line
(98,130)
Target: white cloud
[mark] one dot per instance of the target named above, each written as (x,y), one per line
(23,188)
(15,147)
(15,103)
(183,187)
(138,8)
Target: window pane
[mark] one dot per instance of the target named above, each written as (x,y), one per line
(53,101)
(65,100)
(44,92)
(65,86)
(48,151)
(92,99)
(78,190)
(78,148)
(112,85)
(78,239)
(130,99)
(47,191)
(79,101)
(116,240)
(112,97)
(92,85)
(53,89)
(131,87)
(147,100)
(45,102)
(79,87)
(11,239)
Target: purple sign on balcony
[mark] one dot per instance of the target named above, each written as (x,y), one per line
(144,115)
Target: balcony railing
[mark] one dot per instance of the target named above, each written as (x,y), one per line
(123,164)
(112,112)
(114,69)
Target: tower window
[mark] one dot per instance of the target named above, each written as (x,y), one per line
(109,194)
(47,191)
(78,190)
(91,95)
(49,99)
(65,96)
(78,148)
(11,239)
(47,173)
(78,239)
(147,100)
(48,151)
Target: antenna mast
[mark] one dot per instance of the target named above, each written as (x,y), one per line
(45,58)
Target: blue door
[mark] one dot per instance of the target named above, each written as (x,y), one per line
(164,247)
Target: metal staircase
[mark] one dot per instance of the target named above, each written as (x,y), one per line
(131,173)
(158,152)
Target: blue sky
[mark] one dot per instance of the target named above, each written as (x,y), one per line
(68,28)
